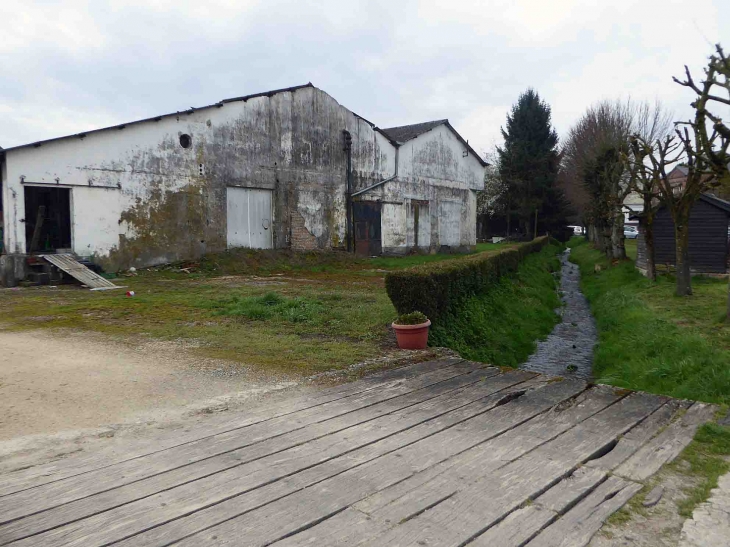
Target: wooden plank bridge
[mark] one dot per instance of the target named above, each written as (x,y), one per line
(444,453)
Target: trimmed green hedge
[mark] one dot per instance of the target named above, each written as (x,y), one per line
(436,288)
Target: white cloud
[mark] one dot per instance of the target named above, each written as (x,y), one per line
(70,66)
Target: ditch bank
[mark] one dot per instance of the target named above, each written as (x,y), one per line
(489,309)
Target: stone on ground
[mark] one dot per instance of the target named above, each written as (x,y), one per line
(710,522)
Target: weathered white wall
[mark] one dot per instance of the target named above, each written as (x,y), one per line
(438,156)
(139,198)
(431,168)
(156,206)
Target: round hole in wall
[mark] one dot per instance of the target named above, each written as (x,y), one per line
(186,140)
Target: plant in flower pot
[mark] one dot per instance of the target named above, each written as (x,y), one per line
(411,330)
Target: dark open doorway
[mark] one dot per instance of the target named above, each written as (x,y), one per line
(368,241)
(47,219)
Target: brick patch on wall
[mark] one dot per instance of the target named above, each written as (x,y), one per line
(301,238)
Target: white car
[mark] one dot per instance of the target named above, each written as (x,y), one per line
(631,232)
(577,230)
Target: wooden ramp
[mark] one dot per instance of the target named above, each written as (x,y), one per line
(71,266)
(444,453)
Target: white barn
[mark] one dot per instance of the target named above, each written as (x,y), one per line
(289,168)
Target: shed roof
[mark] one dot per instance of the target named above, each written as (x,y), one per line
(405,133)
(717,202)
(707,198)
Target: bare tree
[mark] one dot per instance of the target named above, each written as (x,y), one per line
(705,142)
(594,156)
(648,165)
(647,159)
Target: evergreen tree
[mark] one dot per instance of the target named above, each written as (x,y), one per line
(528,166)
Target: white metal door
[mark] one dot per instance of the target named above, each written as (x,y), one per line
(249,218)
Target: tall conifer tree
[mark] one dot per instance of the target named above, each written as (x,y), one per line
(528,164)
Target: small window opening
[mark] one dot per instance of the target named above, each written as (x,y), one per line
(185,140)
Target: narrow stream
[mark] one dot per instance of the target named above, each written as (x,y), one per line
(568,350)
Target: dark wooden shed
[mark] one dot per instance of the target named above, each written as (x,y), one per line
(708,237)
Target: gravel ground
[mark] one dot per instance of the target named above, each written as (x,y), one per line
(568,350)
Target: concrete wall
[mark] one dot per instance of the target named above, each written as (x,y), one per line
(139,198)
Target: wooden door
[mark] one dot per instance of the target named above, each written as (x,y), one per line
(367,217)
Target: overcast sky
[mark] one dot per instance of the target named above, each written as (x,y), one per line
(74,65)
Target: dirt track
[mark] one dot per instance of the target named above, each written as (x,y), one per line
(74,383)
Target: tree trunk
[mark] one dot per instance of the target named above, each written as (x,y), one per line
(618,249)
(535,231)
(649,247)
(509,216)
(606,237)
(681,236)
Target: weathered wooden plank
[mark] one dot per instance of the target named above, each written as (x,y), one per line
(381,510)
(376,402)
(181,470)
(80,464)
(667,445)
(262,521)
(412,496)
(476,508)
(523,524)
(638,436)
(577,526)
(345,528)
(517,528)
(275,475)
(75,269)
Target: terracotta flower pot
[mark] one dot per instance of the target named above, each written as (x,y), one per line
(412,336)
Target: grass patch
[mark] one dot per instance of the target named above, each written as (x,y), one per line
(295,312)
(270,306)
(704,458)
(630,245)
(651,340)
(501,326)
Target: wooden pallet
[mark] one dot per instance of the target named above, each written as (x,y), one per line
(444,453)
(72,267)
